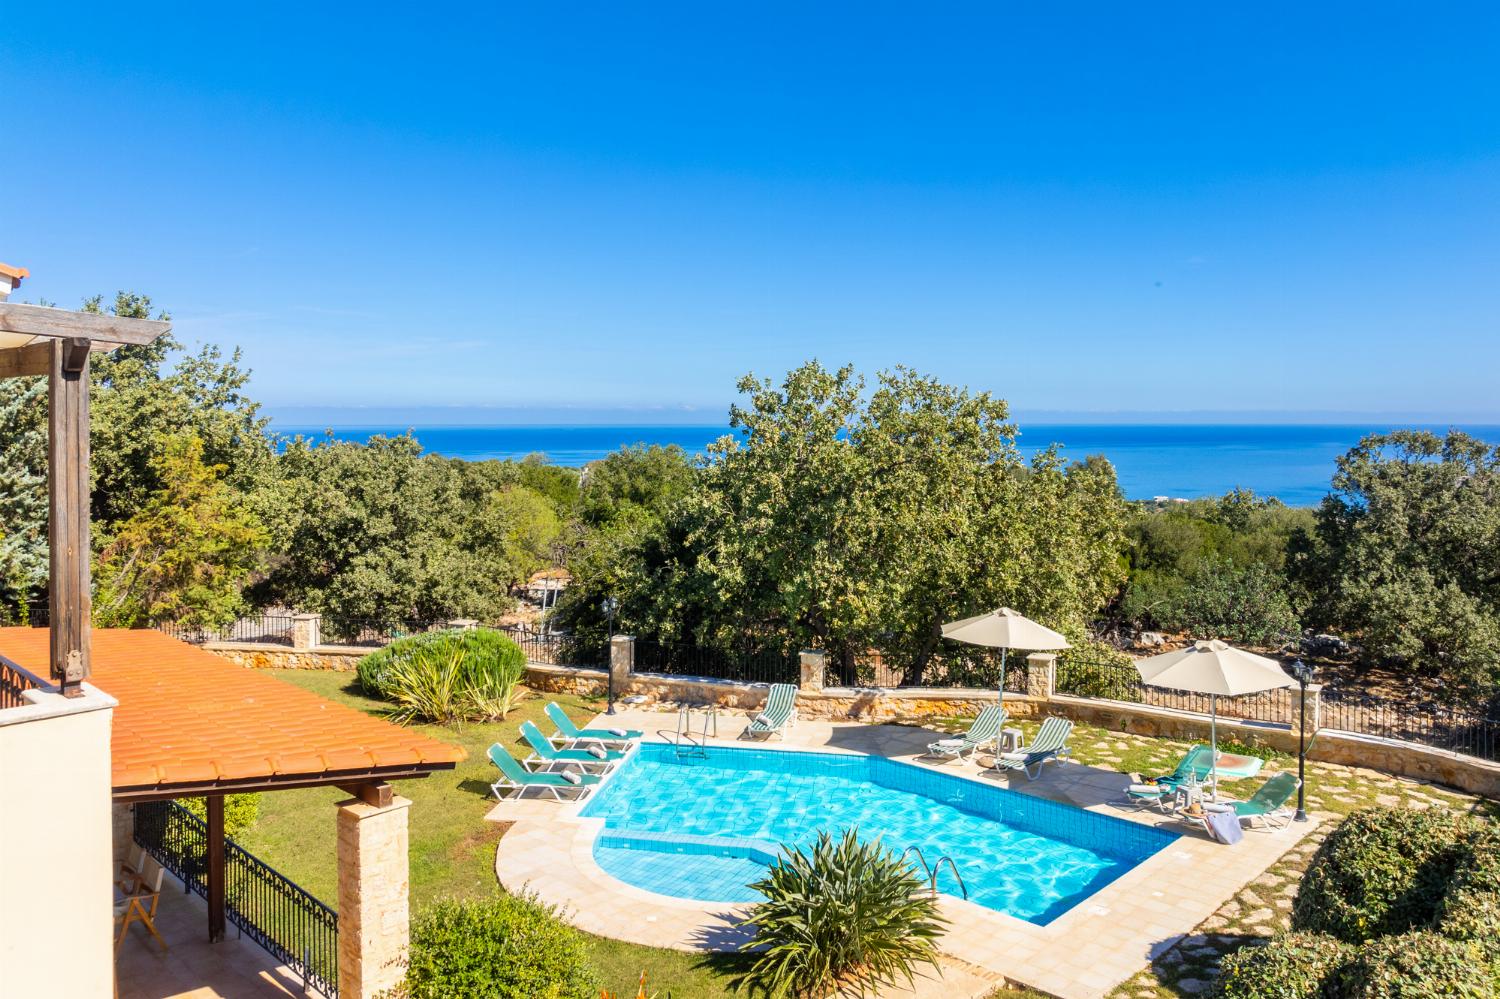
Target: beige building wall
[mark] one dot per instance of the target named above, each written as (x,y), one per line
(56,864)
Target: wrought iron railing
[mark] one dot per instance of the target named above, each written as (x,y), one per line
(1469,732)
(556,649)
(293,926)
(967,668)
(749,665)
(1083,676)
(15,680)
(260,628)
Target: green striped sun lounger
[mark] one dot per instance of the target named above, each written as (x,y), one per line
(515,777)
(779,714)
(982,732)
(1051,741)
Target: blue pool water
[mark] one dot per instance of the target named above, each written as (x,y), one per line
(704,828)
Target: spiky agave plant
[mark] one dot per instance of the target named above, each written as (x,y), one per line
(845,914)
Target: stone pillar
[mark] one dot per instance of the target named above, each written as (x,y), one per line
(814,669)
(1314,707)
(123,831)
(1041,675)
(307,631)
(463,623)
(374,919)
(621,662)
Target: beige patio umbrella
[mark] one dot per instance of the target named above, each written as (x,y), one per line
(1217,669)
(1004,629)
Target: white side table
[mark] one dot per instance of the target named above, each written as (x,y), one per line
(1010,740)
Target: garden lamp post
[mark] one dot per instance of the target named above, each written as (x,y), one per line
(609,606)
(1304,675)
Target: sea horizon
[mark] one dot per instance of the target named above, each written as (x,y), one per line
(1291,462)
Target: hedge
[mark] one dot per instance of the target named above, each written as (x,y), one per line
(1382,871)
(1420,965)
(1470,910)
(1291,966)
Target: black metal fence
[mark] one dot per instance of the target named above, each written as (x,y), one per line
(293,926)
(766,664)
(1087,676)
(371,633)
(272,627)
(555,649)
(1470,732)
(967,668)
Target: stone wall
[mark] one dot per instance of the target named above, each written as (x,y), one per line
(327,657)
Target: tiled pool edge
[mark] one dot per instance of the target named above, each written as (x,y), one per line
(1083,952)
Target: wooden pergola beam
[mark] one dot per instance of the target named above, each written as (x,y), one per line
(39,320)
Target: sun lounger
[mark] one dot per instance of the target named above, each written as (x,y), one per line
(1266,804)
(780,713)
(1051,742)
(983,731)
(515,776)
(571,735)
(1193,769)
(544,753)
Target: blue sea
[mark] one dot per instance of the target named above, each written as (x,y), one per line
(1291,462)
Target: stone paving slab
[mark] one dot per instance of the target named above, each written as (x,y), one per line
(1082,953)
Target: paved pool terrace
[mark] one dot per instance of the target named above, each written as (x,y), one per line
(1083,952)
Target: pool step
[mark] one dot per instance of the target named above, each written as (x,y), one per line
(735,846)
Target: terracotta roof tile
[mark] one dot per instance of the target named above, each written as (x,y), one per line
(188,717)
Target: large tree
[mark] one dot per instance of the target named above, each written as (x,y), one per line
(380,532)
(844,519)
(1406,555)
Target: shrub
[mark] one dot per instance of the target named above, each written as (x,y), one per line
(1470,910)
(510,947)
(1291,966)
(1382,871)
(240,811)
(1417,966)
(844,913)
(446,676)
(1221,600)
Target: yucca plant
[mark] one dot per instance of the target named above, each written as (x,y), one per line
(428,688)
(846,914)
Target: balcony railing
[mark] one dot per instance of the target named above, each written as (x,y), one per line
(269,908)
(15,680)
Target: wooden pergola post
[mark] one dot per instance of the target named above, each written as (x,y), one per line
(69,599)
(215,810)
(56,343)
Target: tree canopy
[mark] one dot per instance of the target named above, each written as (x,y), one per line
(1406,555)
(847,520)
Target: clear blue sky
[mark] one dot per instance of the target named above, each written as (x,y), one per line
(1124,207)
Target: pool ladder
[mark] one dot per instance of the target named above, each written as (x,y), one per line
(932,870)
(685,731)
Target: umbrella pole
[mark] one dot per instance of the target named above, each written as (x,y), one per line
(1213,735)
(1003,653)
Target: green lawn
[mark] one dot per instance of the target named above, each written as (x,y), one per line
(452,846)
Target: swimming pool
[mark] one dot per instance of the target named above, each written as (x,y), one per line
(705,827)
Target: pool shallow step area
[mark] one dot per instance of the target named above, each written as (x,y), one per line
(1068,893)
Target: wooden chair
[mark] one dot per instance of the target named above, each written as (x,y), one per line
(137,904)
(131,868)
